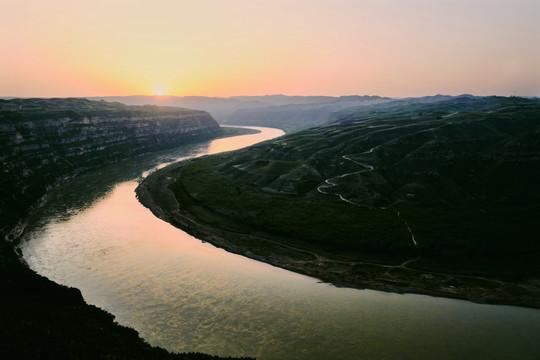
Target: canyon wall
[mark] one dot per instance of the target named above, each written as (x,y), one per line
(46,142)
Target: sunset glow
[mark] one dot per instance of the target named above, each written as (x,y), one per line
(159,91)
(240,47)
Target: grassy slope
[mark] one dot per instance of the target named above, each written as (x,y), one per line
(462,172)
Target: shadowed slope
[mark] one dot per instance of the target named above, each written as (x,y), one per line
(445,186)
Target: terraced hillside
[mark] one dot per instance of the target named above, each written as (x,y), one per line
(448,185)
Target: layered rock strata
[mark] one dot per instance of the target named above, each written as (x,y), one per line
(46,142)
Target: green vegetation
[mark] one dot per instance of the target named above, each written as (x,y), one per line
(224,202)
(462,172)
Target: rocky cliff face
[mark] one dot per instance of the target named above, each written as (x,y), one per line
(45,142)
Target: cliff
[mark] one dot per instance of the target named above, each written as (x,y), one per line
(43,143)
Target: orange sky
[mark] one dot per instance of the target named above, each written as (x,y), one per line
(60,48)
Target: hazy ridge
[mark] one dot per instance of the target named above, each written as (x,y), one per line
(289,113)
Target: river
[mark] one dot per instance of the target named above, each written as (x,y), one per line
(186,295)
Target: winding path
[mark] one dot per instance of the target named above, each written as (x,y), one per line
(404,265)
(329,184)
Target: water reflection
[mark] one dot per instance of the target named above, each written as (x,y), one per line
(237,142)
(185,295)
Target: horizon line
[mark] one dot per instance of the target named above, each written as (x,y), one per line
(247,96)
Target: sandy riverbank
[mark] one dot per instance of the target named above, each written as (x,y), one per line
(337,269)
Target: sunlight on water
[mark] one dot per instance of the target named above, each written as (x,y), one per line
(237,142)
(186,295)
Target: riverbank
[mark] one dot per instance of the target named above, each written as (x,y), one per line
(38,317)
(371,271)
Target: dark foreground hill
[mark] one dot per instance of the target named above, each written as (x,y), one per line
(436,196)
(46,142)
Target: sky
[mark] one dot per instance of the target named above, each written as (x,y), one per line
(396,48)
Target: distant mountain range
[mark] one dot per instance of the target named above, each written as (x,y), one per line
(290,113)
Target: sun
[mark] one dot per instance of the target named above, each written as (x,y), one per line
(159,91)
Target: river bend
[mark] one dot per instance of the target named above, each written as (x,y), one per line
(185,295)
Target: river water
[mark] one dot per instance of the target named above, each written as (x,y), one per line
(185,295)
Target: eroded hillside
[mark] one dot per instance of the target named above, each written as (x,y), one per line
(438,185)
